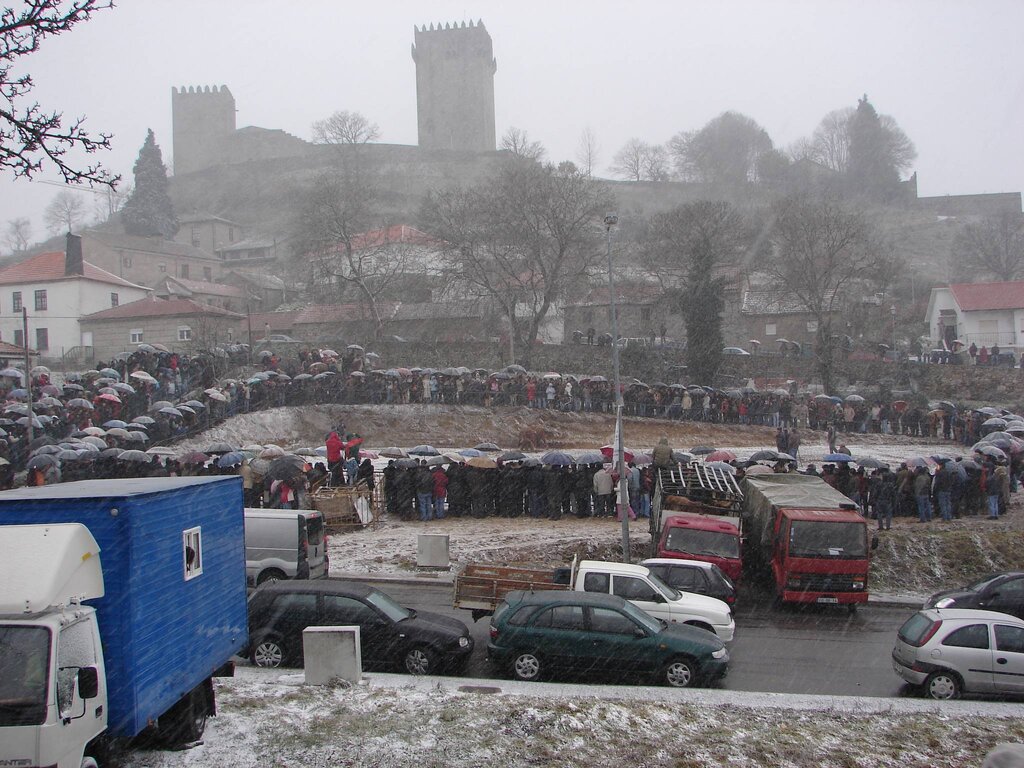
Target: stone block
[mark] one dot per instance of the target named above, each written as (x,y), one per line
(432,551)
(331,653)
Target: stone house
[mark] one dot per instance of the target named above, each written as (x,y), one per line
(56,289)
(179,324)
(769,315)
(642,309)
(982,314)
(148,260)
(214,294)
(267,292)
(208,233)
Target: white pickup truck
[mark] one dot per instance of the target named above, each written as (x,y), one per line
(480,587)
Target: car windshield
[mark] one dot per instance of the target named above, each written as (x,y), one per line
(648,622)
(810,538)
(24,671)
(670,593)
(689,541)
(982,585)
(388,606)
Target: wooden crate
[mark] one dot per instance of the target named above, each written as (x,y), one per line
(345,507)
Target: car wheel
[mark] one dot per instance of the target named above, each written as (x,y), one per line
(268,653)
(420,661)
(701,625)
(942,685)
(526,667)
(271,574)
(679,673)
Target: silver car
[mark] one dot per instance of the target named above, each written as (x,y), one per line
(949,651)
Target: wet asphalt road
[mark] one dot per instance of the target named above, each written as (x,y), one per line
(817,650)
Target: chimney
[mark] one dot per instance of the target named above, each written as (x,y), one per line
(73,264)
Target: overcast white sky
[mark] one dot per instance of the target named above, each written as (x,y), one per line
(950,72)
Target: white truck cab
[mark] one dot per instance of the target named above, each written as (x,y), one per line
(52,682)
(652,595)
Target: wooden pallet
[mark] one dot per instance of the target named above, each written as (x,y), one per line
(346,507)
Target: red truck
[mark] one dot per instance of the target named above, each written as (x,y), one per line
(809,536)
(695,516)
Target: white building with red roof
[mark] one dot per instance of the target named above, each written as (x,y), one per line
(57,288)
(983,314)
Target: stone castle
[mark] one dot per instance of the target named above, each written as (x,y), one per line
(455,69)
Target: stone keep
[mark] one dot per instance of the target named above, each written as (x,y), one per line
(202,116)
(455,69)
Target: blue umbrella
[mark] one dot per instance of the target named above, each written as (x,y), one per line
(232,459)
(590,457)
(469,453)
(557,459)
(115,423)
(840,457)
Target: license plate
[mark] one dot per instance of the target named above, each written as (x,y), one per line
(829,600)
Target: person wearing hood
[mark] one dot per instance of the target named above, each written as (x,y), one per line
(335,452)
(662,454)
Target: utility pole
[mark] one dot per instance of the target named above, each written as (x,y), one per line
(29,432)
(610,220)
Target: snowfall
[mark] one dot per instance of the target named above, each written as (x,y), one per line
(267,717)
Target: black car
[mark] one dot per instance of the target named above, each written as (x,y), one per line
(390,636)
(1001,592)
(556,633)
(693,576)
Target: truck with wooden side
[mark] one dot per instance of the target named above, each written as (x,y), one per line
(120,600)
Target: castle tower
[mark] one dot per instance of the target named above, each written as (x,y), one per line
(200,116)
(455,87)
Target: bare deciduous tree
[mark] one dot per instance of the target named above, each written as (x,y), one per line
(994,245)
(518,143)
(587,151)
(18,234)
(64,213)
(723,152)
(28,134)
(640,161)
(345,127)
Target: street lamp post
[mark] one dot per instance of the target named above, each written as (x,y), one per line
(892,311)
(610,220)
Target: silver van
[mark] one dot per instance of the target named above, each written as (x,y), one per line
(284,544)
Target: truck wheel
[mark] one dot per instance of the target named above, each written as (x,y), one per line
(89,762)
(271,574)
(420,661)
(678,673)
(268,653)
(851,608)
(526,667)
(942,685)
(185,722)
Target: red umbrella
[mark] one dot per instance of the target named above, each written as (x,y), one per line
(725,456)
(109,397)
(608,451)
(194,457)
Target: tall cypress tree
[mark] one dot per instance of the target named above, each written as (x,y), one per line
(149,210)
(871,171)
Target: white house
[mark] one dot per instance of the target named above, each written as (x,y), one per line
(56,289)
(983,314)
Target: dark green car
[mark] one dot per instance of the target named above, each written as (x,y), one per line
(537,635)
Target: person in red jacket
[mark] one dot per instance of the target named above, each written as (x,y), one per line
(335,451)
(440,491)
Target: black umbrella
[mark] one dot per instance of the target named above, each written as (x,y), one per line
(42,461)
(285,468)
(512,456)
(765,455)
(485,447)
(701,450)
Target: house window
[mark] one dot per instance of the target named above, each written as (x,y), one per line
(812,326)
(645,316)
(40,300)
(42,339)
(231,234)
(114,299)
(19,337)
(135,335)
(770,329)
(207,273)
(162,267)
(184,333)
(126,260)
(16,300)
(192,552)
(195,235)
(184,271)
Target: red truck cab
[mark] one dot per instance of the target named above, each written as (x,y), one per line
(703,537)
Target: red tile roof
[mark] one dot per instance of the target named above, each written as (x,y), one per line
(400,233)
(49,267)
(154,307)
(974,297)
(336,313)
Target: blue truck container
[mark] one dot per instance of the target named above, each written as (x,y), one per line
(173,557)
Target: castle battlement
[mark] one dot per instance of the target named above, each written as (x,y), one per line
(201,90)
(201,115)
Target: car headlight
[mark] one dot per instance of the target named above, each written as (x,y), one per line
(720,653)
(463,642)
(945,602)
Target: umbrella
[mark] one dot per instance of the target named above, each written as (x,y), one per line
(512,456)
(67,455)
(169,411)
(407,463)
(162,348)
(424,450)
(990,450)
(18,394)
(49,389)
(759,469)
(263,354)
(146,348)
(233,459)
(115,423)
(488,448)
(642,459)
(482,462)
(216,394)
(308,452)
(23,421)
(49,448)
(436,461)
(394,453)
(107,453)
(110,398)
(161,450)
(723,466)
(141,376)
(194,457)
(970,464)
(353,347)
(470,453)
(80,402)
(590,457)
(285,468)
(149,420)
(995,421)
(841,458)
(854,399)
(118,432)
(607,451)
(42,461)
(869,462)
(940,458)
(701,450)
(138,457)
(917,461)
(219,448)
(332,353)
(302,377)
(557,459)
(12,373)
(195,405)
(73,388)
(18,408)
(720,456)
(272,452)
(766,455)
(138,437)
(99,442)
(161,404)
(514,368)
(324,375)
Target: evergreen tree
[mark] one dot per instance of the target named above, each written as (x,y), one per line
(872,168)
(149,210)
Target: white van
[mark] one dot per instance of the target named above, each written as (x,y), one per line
(284,544)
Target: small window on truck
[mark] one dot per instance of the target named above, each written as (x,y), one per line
(596,582)
(192,552)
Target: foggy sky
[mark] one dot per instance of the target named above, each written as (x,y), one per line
(950,73)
